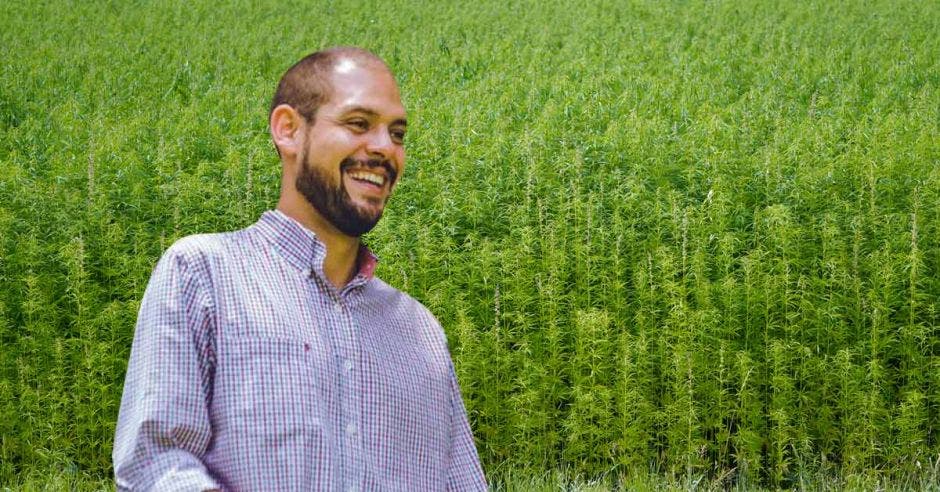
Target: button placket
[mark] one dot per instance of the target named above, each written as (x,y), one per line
(347,349)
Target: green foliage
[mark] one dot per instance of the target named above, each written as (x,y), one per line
(691,240)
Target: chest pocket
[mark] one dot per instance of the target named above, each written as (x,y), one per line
(279,389)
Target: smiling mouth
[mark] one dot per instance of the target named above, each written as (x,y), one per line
(368,177)
(372,172)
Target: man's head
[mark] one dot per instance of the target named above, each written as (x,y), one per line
(338,124)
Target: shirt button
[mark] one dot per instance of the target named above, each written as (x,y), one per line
(347,364)
(351,429)
(353,488)
(338,307)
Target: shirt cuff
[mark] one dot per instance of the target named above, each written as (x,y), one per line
(186,480)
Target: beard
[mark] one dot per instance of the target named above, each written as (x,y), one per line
(334,202)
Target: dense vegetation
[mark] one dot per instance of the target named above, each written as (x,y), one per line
(690,239)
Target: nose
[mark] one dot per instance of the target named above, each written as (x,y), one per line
(380,144)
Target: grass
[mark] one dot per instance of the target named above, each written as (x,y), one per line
(693,242)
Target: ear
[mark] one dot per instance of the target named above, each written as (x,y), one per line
(286,130)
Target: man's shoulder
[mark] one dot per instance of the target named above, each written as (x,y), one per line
(392,296)
(200,245)
(403,313)
(206,248)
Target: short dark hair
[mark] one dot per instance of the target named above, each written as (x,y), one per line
(305,86)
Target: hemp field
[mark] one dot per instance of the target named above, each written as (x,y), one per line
(680,243)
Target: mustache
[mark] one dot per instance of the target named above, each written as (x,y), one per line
(353,163)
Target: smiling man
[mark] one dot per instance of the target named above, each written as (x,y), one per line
(271,358)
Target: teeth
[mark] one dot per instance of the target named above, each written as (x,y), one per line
(376,179)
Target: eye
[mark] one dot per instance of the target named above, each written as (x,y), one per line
(358,125)
(398,135)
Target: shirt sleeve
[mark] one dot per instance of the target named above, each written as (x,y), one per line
(163,427)
(465,472)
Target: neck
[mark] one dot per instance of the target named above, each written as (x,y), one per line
(342,251)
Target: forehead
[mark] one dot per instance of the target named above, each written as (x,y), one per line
(355,84)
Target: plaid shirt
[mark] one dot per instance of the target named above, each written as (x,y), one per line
(250,371)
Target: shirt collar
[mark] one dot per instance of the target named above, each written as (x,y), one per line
(301,247)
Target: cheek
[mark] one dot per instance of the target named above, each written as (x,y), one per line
(400,158)
(335,145)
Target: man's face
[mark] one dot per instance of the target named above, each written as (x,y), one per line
(354,150)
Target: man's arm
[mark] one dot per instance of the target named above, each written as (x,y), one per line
(163,427)
(465,472)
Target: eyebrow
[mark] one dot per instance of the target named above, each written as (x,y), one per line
(372,114)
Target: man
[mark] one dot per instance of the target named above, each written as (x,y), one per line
(270,358)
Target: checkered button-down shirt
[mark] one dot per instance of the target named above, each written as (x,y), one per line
(250,371)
